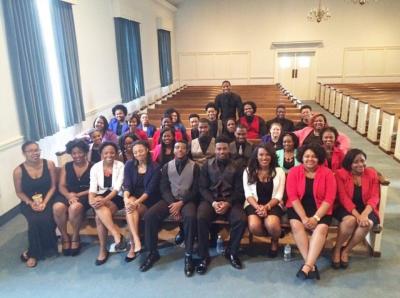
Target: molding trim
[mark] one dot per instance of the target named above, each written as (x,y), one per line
(10,214)
(337,76)
(11,143)
(270,77)
(101,108)
(166,5)
(297,44)
(373,76)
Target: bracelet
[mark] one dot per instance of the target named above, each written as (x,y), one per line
(316,217)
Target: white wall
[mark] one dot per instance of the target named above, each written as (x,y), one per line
(209,32)
(95,32)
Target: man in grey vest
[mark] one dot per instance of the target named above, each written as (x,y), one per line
(222,196)
(179,190)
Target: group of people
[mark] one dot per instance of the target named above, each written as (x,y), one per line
(213,172)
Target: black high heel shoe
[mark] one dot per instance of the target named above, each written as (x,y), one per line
(314,274)
(301,274)
(121,245)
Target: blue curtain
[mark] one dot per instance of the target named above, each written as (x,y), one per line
(29,71)
(67,51)
(130,65)
(164,56)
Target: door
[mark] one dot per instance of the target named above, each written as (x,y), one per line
(295,72)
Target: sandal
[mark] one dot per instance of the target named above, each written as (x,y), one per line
(66,251)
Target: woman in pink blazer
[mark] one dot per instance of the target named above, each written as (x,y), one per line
(358,189)
(311,191)
(334,155)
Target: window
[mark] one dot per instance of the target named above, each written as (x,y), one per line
(164,55)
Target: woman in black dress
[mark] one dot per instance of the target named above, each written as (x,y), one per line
(72,203)
(35,185)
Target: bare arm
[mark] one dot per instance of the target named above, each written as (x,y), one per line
(17,177)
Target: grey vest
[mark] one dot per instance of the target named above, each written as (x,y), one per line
(180,184)
(198,155)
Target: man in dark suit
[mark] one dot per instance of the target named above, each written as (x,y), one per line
(240,149)
(287,125)
(221,190)
(228,103)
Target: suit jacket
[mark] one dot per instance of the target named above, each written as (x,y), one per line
(324,189)
(216,184)
(369,187)
(151,180)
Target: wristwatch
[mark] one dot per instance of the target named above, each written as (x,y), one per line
(316,217)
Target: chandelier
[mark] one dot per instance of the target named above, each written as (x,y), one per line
(362,2)
(319,14)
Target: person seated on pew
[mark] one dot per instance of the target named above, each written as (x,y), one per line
(118,124)
(216,125)
(240,149)
(94,148)
(194,125)
(176,121)
(229,131)
(166,122)
(264,185)
(72,202)
(133,121)
(358,189)
(334,156)
(287,155)
(125,144)
(305,115)
(287,124)
(107,135)
(35,186)
(141,192)
(106,179)
(222,196)
(164,151)
(228,103)
(144,125)
(179,191)
(311,191)
(203,147)
(274,138)
(255,125)
(311,133)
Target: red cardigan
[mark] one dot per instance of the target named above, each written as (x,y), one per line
(324,186)
(369,187)
(336,159)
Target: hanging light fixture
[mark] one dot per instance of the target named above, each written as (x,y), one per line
(319,14)
(362,2)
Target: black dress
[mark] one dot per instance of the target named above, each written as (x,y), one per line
(41,226)
(309,205)
(76,184)
(340,212)
(264,194)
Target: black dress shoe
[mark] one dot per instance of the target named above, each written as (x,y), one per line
(301,274)
(344,264)
(180,237)
(234,260)
(149,262)
(335,265)
(314,274)
(121,245)
(202,267)
(103,261)
(130,259)
(189,266)
(272,253)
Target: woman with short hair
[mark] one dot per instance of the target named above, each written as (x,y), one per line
(311,191)
(358,188)
(73,202)
(35,185)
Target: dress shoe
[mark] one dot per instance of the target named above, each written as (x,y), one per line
(150,260)
(179,238)
(103,261)
(314,274)
(272,253)
(121,245)
(130,259)
(335,265)
(189,266)
(344,264)
(301,274)
(234,260)
(202,266)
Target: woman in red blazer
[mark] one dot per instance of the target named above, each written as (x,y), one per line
(358,189)
(311,190)
(334,155)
